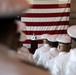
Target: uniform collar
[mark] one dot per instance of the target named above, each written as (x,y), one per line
(73,54)
(46,45)
(62,53)
(73,49)
(53,49)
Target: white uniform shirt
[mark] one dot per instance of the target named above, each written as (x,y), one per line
(40,51)
(59,67)
(50,63)
(71,66)
(47,56)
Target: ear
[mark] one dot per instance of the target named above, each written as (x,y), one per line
(58,47)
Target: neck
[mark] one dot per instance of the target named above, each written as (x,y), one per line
(73,44)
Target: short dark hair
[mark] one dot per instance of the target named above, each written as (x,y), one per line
(6,25)
(53,44)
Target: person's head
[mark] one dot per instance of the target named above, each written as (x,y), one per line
(52,41)
(63,47)
(9,9)
(45,41)
(44,38)
(11,33)
(72,33)
(20,36)
(64,43)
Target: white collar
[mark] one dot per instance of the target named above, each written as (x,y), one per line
(72,49)
(46,45)
(53,49)
(73,54)
(62,53)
